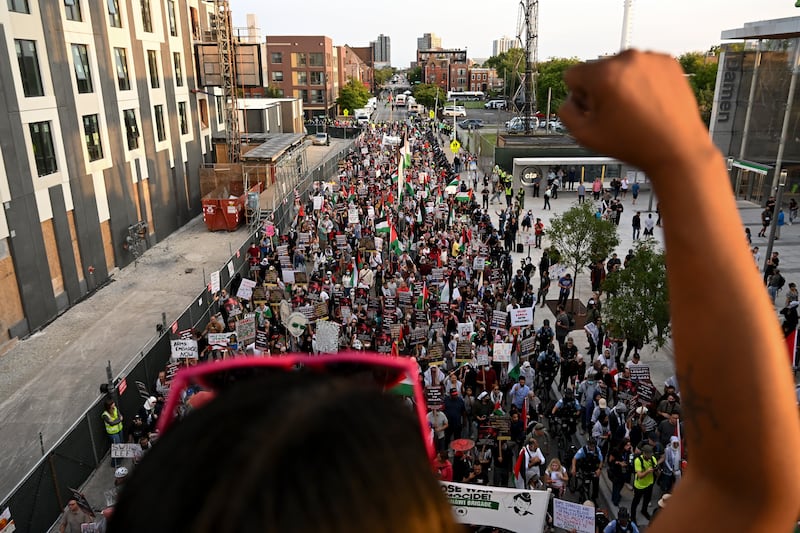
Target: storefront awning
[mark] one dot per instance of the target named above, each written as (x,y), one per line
(758,168)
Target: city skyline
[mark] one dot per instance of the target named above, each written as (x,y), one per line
(675,27)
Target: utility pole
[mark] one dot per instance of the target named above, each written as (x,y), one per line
(531,17)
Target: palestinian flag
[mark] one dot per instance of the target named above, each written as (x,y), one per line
(381,225)
(409,190)
(405,387)
(453,183)
(464,196)
(394,242)
(423,296)
(394,177)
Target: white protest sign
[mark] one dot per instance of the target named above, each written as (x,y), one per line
(502,352)
(287,275)
(318,201)
(573,516)
(371,212)
(465,329)
(378,243)
(5,518)
(327,336)
(352,215)
(246,329)
(126,450)
(245,291)
(215,285)
(479,263)
(522,316)
(509,509)
(184,348)
(230,268)
(531,239)
(218,339)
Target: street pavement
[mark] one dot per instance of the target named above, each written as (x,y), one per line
(47,381)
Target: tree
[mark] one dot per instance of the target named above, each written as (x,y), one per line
(414,75)
(551,76)
(354,95)
(638,302)
(701,69)
(273,91)
(382,75)
(581,238)
(425,94)
(510,65)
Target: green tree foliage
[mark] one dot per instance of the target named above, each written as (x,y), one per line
(414,75)
(425,94)
(702,72)
(510,66)
(551,76)
(352,96)
(638,302)
(383,75)
(580,238)
(273,91)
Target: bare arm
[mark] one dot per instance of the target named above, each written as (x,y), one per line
(639,108)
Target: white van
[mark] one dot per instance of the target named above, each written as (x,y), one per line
(362,115)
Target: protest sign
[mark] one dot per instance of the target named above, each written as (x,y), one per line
(184,348)
(436,354)
(318,201)
(218,339)
(269,229)
(463,351)
(327,336)
(646,392)
(502,352)
(367,243)
(259,295)
(262,340)
(246,329)
(125,450)
(465,329)
(245,291)
(527,347)
(482,355)
(499,319)
(6,522)
(509,509)
(479,263)
(522,316)
(321,310)
(215,283)
(640,372)
(502,426)
(434,396)
(352,215)
(300,277)
(573,516)
(418,336)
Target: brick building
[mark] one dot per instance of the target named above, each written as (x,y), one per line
(449,69)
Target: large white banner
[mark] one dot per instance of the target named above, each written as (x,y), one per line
(511,509)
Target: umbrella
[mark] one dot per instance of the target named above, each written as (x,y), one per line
(462,445)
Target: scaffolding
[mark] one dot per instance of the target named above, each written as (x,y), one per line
(227,64)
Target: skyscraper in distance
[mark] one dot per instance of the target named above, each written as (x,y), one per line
(503,44)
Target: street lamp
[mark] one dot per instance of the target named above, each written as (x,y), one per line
(774,224)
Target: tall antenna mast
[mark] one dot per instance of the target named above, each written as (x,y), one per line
(531,16)
(627,23)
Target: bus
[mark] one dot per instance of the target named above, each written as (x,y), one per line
(400,100)
(465,95)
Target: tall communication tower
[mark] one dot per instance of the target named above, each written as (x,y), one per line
(227,65)
(528,25)
(627,24)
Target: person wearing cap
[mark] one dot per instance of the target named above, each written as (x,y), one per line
(73,517)
(589,462)
(644,468)
(621,524)
(542,437)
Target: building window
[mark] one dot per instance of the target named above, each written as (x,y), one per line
(43,151)
(220,112)
(300,59)
(131,129)
(472,77)
(19,6)
(317,78)
(91,132)
(161,132)
(72,8)
(316,59)
(83,74)
(277,75)
(28,61)
(152,65)
(114,17)
(203,107)
(173,23)
(317,96)
(276,58)
(302,94)
(183,118)
(302,78)
(195,23)
(176,59)
(147,18)
(279,92)
(121,59)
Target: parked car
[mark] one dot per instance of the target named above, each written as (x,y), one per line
(454,111)
(470,123)
(320,139)
(517,124)
(495,104)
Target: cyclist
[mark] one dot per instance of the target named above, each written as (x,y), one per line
(547,365)
(544,335)
(566,412)
(622,524)
(587,463)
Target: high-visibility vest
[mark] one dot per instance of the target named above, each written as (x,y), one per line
(112,429)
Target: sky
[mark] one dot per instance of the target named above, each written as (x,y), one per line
(584,29)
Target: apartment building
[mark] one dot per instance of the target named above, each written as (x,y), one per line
(102,134)
(305,67)
(352,66)
(484,79)
(449,69)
